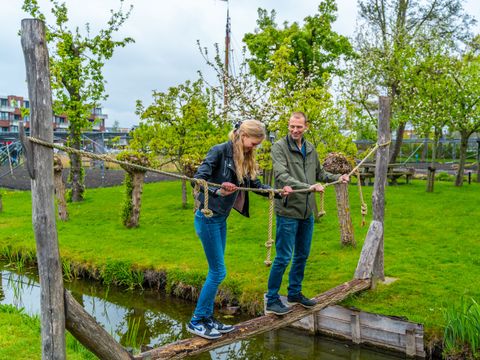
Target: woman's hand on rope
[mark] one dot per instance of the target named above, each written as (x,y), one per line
(287,190)
(317,187)
(344,179)
(227,189)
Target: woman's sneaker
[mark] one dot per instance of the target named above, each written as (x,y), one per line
(220,327)
(203,328)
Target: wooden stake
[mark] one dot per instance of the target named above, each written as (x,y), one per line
(43,208)
(381,168)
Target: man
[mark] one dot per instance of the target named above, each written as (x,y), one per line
(295,164)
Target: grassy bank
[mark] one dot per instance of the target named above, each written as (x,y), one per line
(431,246)
(20,337)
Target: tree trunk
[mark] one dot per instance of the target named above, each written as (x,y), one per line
(267,177)
(59,188)
(344,218)
(184,194)
(398,142)
(134,195)
(76,176)
(463,157)
(431,168)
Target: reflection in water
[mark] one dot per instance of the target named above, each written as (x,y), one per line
(153,319)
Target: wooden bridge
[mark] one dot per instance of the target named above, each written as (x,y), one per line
(60,310)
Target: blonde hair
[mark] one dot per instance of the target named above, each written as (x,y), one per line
(245,164)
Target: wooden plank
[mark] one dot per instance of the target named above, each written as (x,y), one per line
(369,251)
(255,326)
(381,166)
(43,208)
(374,329)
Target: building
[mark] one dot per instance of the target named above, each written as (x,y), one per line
(11,113)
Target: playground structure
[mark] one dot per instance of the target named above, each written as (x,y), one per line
(60,310)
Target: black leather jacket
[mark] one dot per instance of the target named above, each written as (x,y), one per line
(219,167)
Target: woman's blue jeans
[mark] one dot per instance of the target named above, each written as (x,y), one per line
(212,232)
(293,237)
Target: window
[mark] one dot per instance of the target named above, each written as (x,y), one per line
(26,104)
(3,102)
(3,115)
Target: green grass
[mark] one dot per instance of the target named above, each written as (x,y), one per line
(20,337)
(431,245)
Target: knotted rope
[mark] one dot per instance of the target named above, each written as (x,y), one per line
(270,240)
(363,206)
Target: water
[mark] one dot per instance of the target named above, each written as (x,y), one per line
(161,319)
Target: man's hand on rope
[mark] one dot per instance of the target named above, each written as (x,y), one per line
(317,187)
(227,189)
(344,179)
(287,190)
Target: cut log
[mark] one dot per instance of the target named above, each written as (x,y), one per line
(256,326)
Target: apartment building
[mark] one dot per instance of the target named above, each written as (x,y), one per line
(11,113)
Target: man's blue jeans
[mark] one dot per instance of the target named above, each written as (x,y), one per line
(212,232)
(293,237)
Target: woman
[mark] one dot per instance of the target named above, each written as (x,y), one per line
(231,164)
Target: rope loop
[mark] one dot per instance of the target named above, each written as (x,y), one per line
(322,211)
(269,243)
(205,211)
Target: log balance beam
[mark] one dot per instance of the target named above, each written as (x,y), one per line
(259,325)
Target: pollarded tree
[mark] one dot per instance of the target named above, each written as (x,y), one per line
(427,100)
(465,100)
(179,126)
(384,41)
(76,67)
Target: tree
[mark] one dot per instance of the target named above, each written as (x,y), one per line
(180,126)
(384,43)
(281,56)
(76,65)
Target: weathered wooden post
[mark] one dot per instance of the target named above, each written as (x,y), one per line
(370,264)
(43,208)
(56,313)
(381,166)
(59,188)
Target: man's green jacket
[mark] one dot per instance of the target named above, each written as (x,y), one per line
(291,168)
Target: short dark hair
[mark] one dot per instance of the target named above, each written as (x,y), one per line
(299,115)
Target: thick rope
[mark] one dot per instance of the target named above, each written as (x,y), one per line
(363,206)
(270,240)
(322,211)
(206,211)
(201,182)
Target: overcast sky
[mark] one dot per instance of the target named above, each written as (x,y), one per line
(165,52)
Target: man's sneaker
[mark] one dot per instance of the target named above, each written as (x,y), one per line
(277,308)
(203,328)
(302,300)
(220,327)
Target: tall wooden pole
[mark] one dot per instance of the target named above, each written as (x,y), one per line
(43,208)
(381,168)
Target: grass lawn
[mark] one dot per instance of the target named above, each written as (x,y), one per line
(431,244)
(20,337)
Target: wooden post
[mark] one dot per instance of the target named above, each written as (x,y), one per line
(43,208)
(369,251)
(381,168)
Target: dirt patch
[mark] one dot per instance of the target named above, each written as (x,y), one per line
(19,179)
